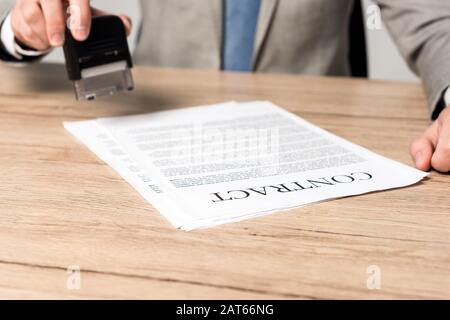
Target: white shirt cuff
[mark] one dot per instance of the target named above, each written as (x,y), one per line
(447,97)
(12,47)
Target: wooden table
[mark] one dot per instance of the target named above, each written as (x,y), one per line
(61,206)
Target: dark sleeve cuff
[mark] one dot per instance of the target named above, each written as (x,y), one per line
(439,107)
(6,57)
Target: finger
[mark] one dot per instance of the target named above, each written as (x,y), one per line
(127,23)
(125,19)
(422,148)
(441,157)
(54,21)
(32,15)
(80,19)
(27,36)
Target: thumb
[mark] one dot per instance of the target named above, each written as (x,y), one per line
(126,20)
(422,148)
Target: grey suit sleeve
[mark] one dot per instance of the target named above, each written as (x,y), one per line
(421,29)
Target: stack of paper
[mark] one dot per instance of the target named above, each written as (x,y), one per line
(209,165)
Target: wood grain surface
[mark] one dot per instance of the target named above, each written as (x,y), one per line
(61,206)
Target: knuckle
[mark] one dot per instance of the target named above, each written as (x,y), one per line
(445,151)
(57,19)
(55,26)
(441,165)
(30,15)
(441,159)
(415,144)
(27,33)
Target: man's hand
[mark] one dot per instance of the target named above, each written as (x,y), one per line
(40,24)
(432,149)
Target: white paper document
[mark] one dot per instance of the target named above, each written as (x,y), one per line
(204,166)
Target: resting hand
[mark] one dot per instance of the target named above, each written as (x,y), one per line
(432,149)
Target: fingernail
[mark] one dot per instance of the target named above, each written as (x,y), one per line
(418,157)
(82,32)
(57,39)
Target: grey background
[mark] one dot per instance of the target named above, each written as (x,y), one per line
(385,62)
